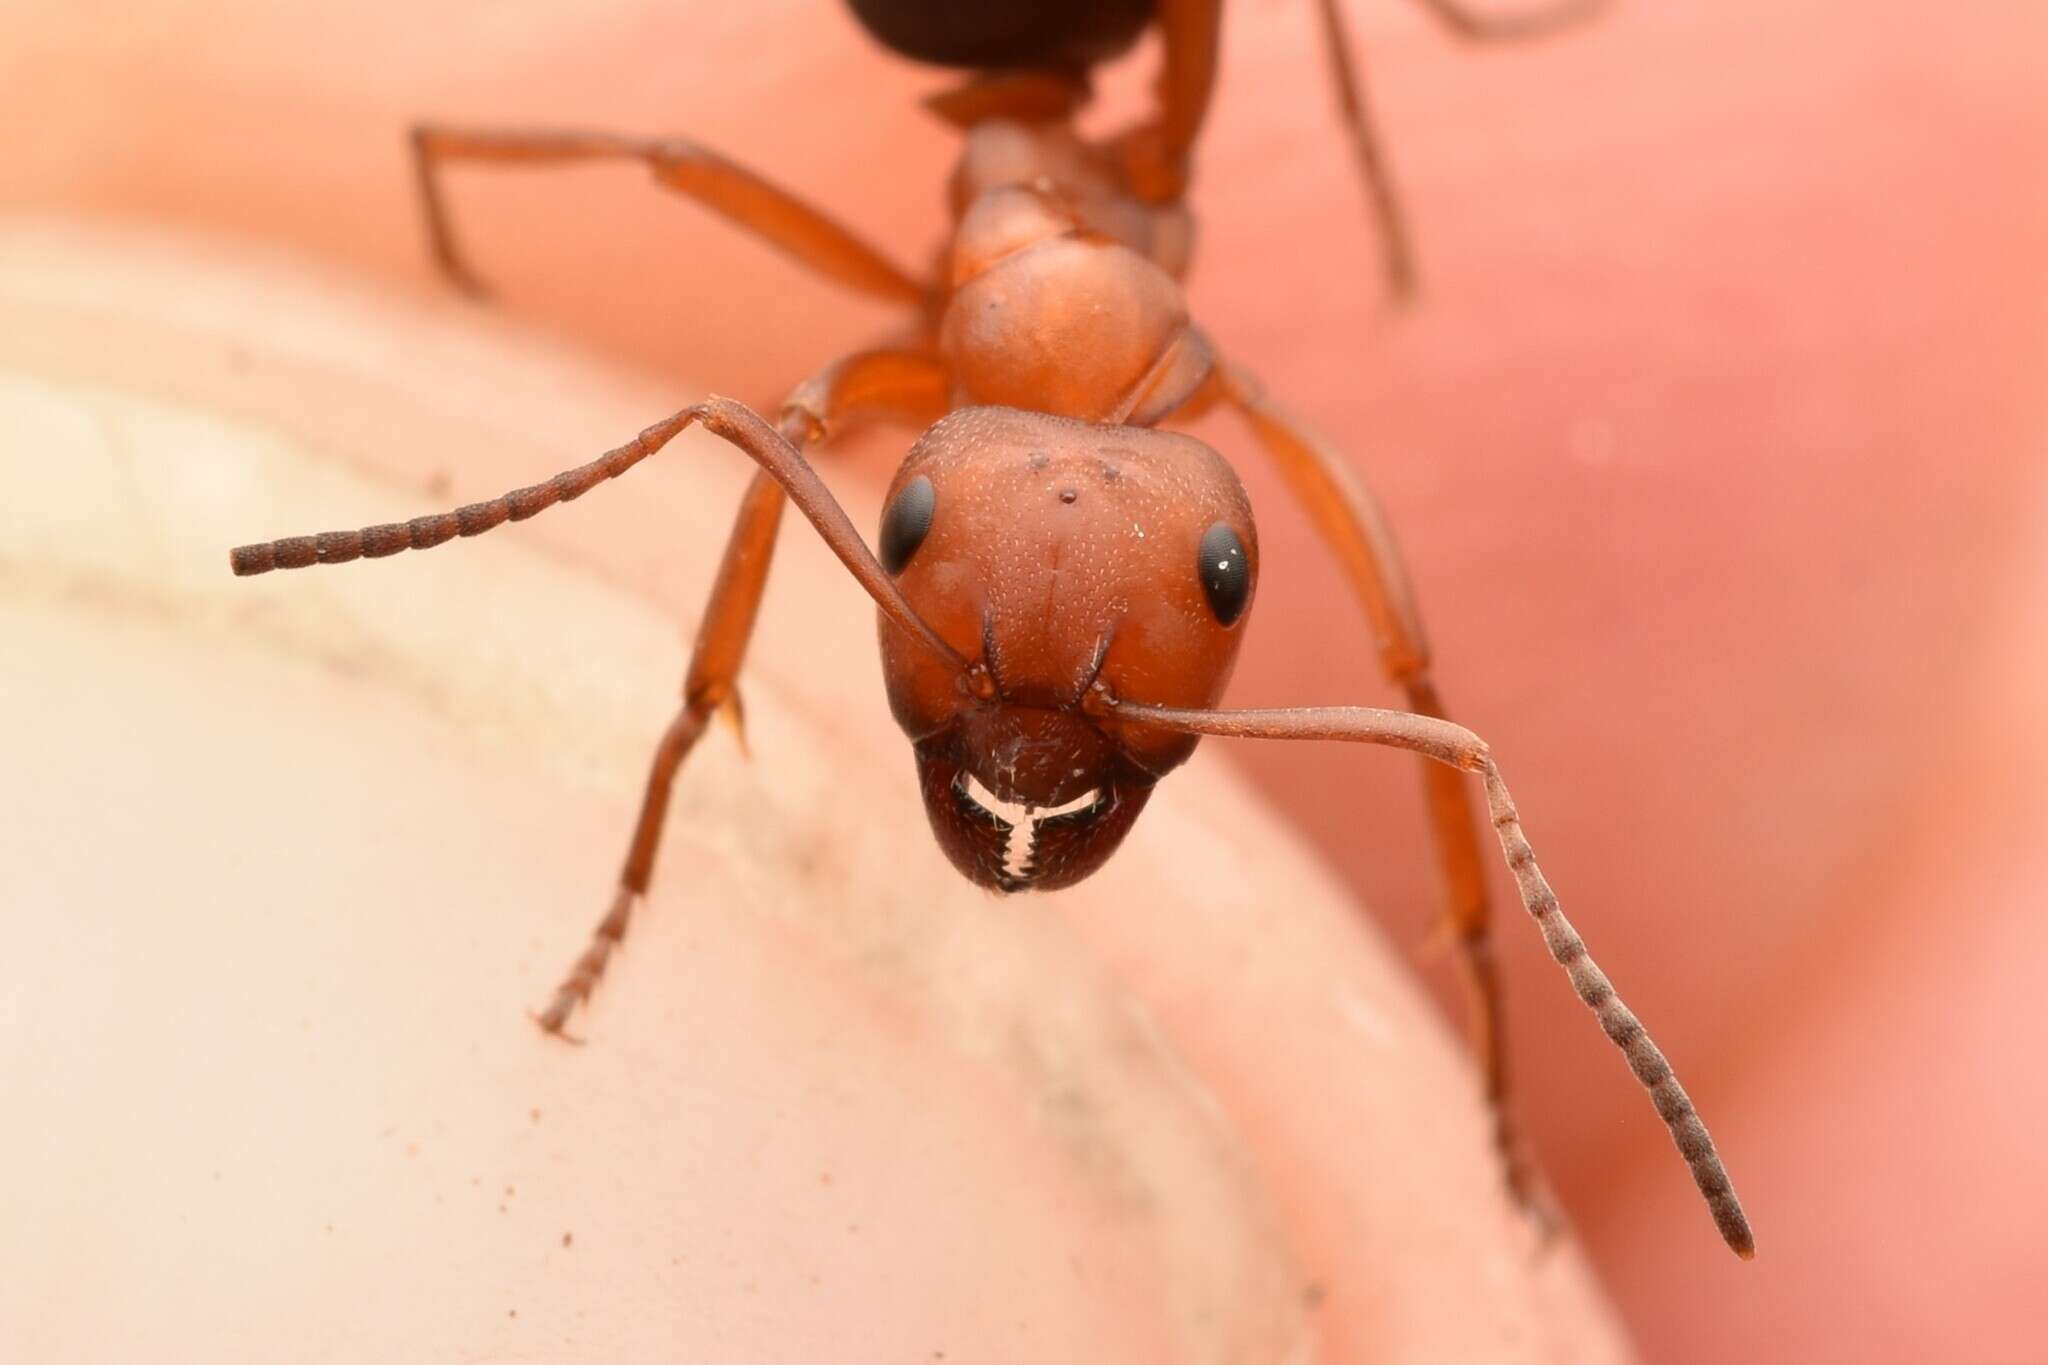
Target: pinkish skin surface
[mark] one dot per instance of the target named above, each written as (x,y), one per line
(1715,448)
(294,852)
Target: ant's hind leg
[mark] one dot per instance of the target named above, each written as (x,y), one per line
(1397,245)
(1352,523)
(773,214)
(1156,155)
(1375,173)
(1489,25)
(904,385)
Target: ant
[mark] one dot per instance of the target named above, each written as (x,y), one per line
(1050,46)
(1062,587)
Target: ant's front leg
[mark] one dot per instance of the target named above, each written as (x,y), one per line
(730,190)
(1397,246)
(1375,172)
(903,385)
(907,384)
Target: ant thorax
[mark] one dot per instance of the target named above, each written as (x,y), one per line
(1088,180)
(1048,315)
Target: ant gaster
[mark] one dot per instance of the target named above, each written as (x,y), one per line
(1062,588)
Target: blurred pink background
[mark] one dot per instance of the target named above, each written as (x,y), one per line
(1715,442)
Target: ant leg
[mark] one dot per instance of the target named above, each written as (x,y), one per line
(886,383)
(773,214)
(871,384)
(1491,26)
(1354,525)
(1460,751)
(1397,248)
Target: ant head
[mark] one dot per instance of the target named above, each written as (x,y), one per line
(1062,560)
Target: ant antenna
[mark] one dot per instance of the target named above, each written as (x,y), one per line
(731,421)
(1458,747)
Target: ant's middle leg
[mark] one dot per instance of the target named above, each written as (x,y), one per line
(1352,523)
(780,218)
(904,385)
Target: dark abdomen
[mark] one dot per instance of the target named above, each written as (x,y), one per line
(1006,33)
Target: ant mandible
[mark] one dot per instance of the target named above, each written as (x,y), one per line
(1062,587)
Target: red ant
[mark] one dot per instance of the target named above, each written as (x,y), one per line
(1062,588)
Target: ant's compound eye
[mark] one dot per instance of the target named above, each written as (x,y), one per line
(1226,572)
(906,522)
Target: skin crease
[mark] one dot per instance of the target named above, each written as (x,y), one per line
(1714,444)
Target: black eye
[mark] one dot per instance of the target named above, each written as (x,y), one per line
(1225,571)
(906,521)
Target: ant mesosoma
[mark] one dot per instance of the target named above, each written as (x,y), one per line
(1050,46)
(1062,587)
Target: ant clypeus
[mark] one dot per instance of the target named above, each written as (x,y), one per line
(1062,587)
(1053,44)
